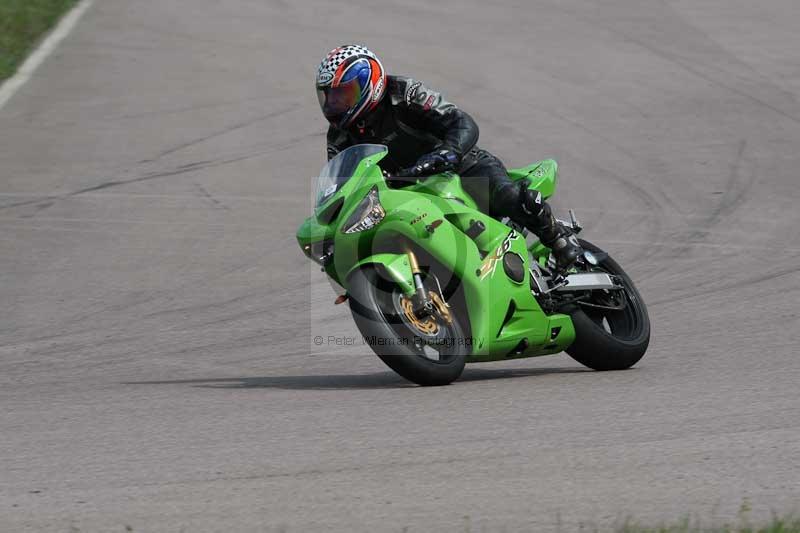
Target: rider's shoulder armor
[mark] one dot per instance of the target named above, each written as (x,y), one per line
(410,94)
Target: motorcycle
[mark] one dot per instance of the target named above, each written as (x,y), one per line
(434,283)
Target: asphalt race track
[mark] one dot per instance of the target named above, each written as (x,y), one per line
(157,362)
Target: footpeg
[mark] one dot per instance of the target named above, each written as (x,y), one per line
(573,220)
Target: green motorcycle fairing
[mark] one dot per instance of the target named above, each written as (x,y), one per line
(543,176)
(434,214)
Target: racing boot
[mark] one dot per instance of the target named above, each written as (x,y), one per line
(538,218)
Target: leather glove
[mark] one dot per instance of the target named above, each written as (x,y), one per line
(438,161)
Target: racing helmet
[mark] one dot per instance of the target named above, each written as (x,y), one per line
(350,83)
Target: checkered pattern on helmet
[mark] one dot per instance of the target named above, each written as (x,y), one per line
(337,56)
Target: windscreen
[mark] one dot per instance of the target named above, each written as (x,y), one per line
(341,168)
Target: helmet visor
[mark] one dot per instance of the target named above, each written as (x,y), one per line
(336,101)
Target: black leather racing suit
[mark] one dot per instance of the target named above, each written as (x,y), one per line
(412,120)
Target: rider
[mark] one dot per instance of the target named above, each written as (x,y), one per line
(364,105)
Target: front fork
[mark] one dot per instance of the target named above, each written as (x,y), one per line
(421,296)
(425,303)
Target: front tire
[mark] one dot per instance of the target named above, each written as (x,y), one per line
(378,309)
(610,339)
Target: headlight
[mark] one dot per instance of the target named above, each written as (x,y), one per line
(367,215)
(321,252)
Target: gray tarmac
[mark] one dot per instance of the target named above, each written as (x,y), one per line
(157,362)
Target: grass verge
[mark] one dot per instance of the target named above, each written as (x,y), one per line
(22,24)
(787,524)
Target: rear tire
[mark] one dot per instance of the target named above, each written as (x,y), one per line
(611,340)
(375,303)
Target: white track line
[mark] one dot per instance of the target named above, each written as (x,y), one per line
(24,73)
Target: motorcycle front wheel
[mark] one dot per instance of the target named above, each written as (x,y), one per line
(428,351)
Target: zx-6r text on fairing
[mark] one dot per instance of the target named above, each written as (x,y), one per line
(434,283)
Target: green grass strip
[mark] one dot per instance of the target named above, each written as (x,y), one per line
(22,24)
(787,524)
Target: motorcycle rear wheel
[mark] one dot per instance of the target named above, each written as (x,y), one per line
(610,339)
